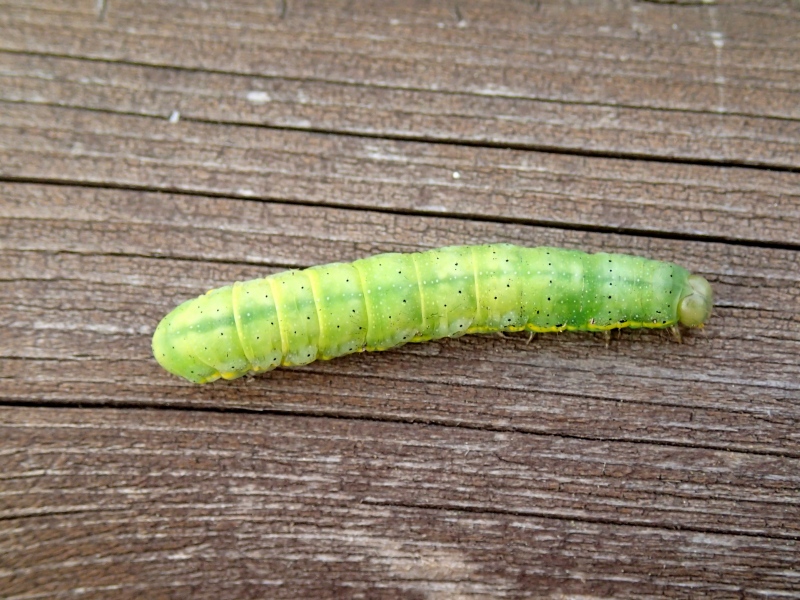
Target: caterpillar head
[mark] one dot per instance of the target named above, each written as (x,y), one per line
(695,305)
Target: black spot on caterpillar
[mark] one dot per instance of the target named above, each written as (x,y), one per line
(296,317)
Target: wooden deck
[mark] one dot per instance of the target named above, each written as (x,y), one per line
(153,149)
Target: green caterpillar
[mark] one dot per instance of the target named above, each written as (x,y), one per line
(296,317)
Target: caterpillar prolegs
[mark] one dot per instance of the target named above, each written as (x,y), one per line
(296,317)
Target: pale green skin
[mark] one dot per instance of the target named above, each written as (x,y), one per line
(296,317)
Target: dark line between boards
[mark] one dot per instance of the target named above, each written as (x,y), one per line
(542,148)
(566,226)
(383,86)
(427,422)
(449,141)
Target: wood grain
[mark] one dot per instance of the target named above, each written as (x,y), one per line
(725,387)
(554,53)
(409,114)
(76,146)
(152,150)
(688,83)
(292,507)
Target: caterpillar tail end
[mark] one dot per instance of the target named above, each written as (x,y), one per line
(170,352)
(696,303)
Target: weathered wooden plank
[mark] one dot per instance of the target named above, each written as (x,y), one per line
(506,74)
(471,468)
(90,272)
(399,113)
(69,145)
(205,503)
(523,52)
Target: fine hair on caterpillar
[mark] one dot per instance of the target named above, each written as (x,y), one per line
(295,317)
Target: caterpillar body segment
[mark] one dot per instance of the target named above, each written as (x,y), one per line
(376,303)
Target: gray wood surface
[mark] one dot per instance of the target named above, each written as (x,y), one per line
(152,150)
